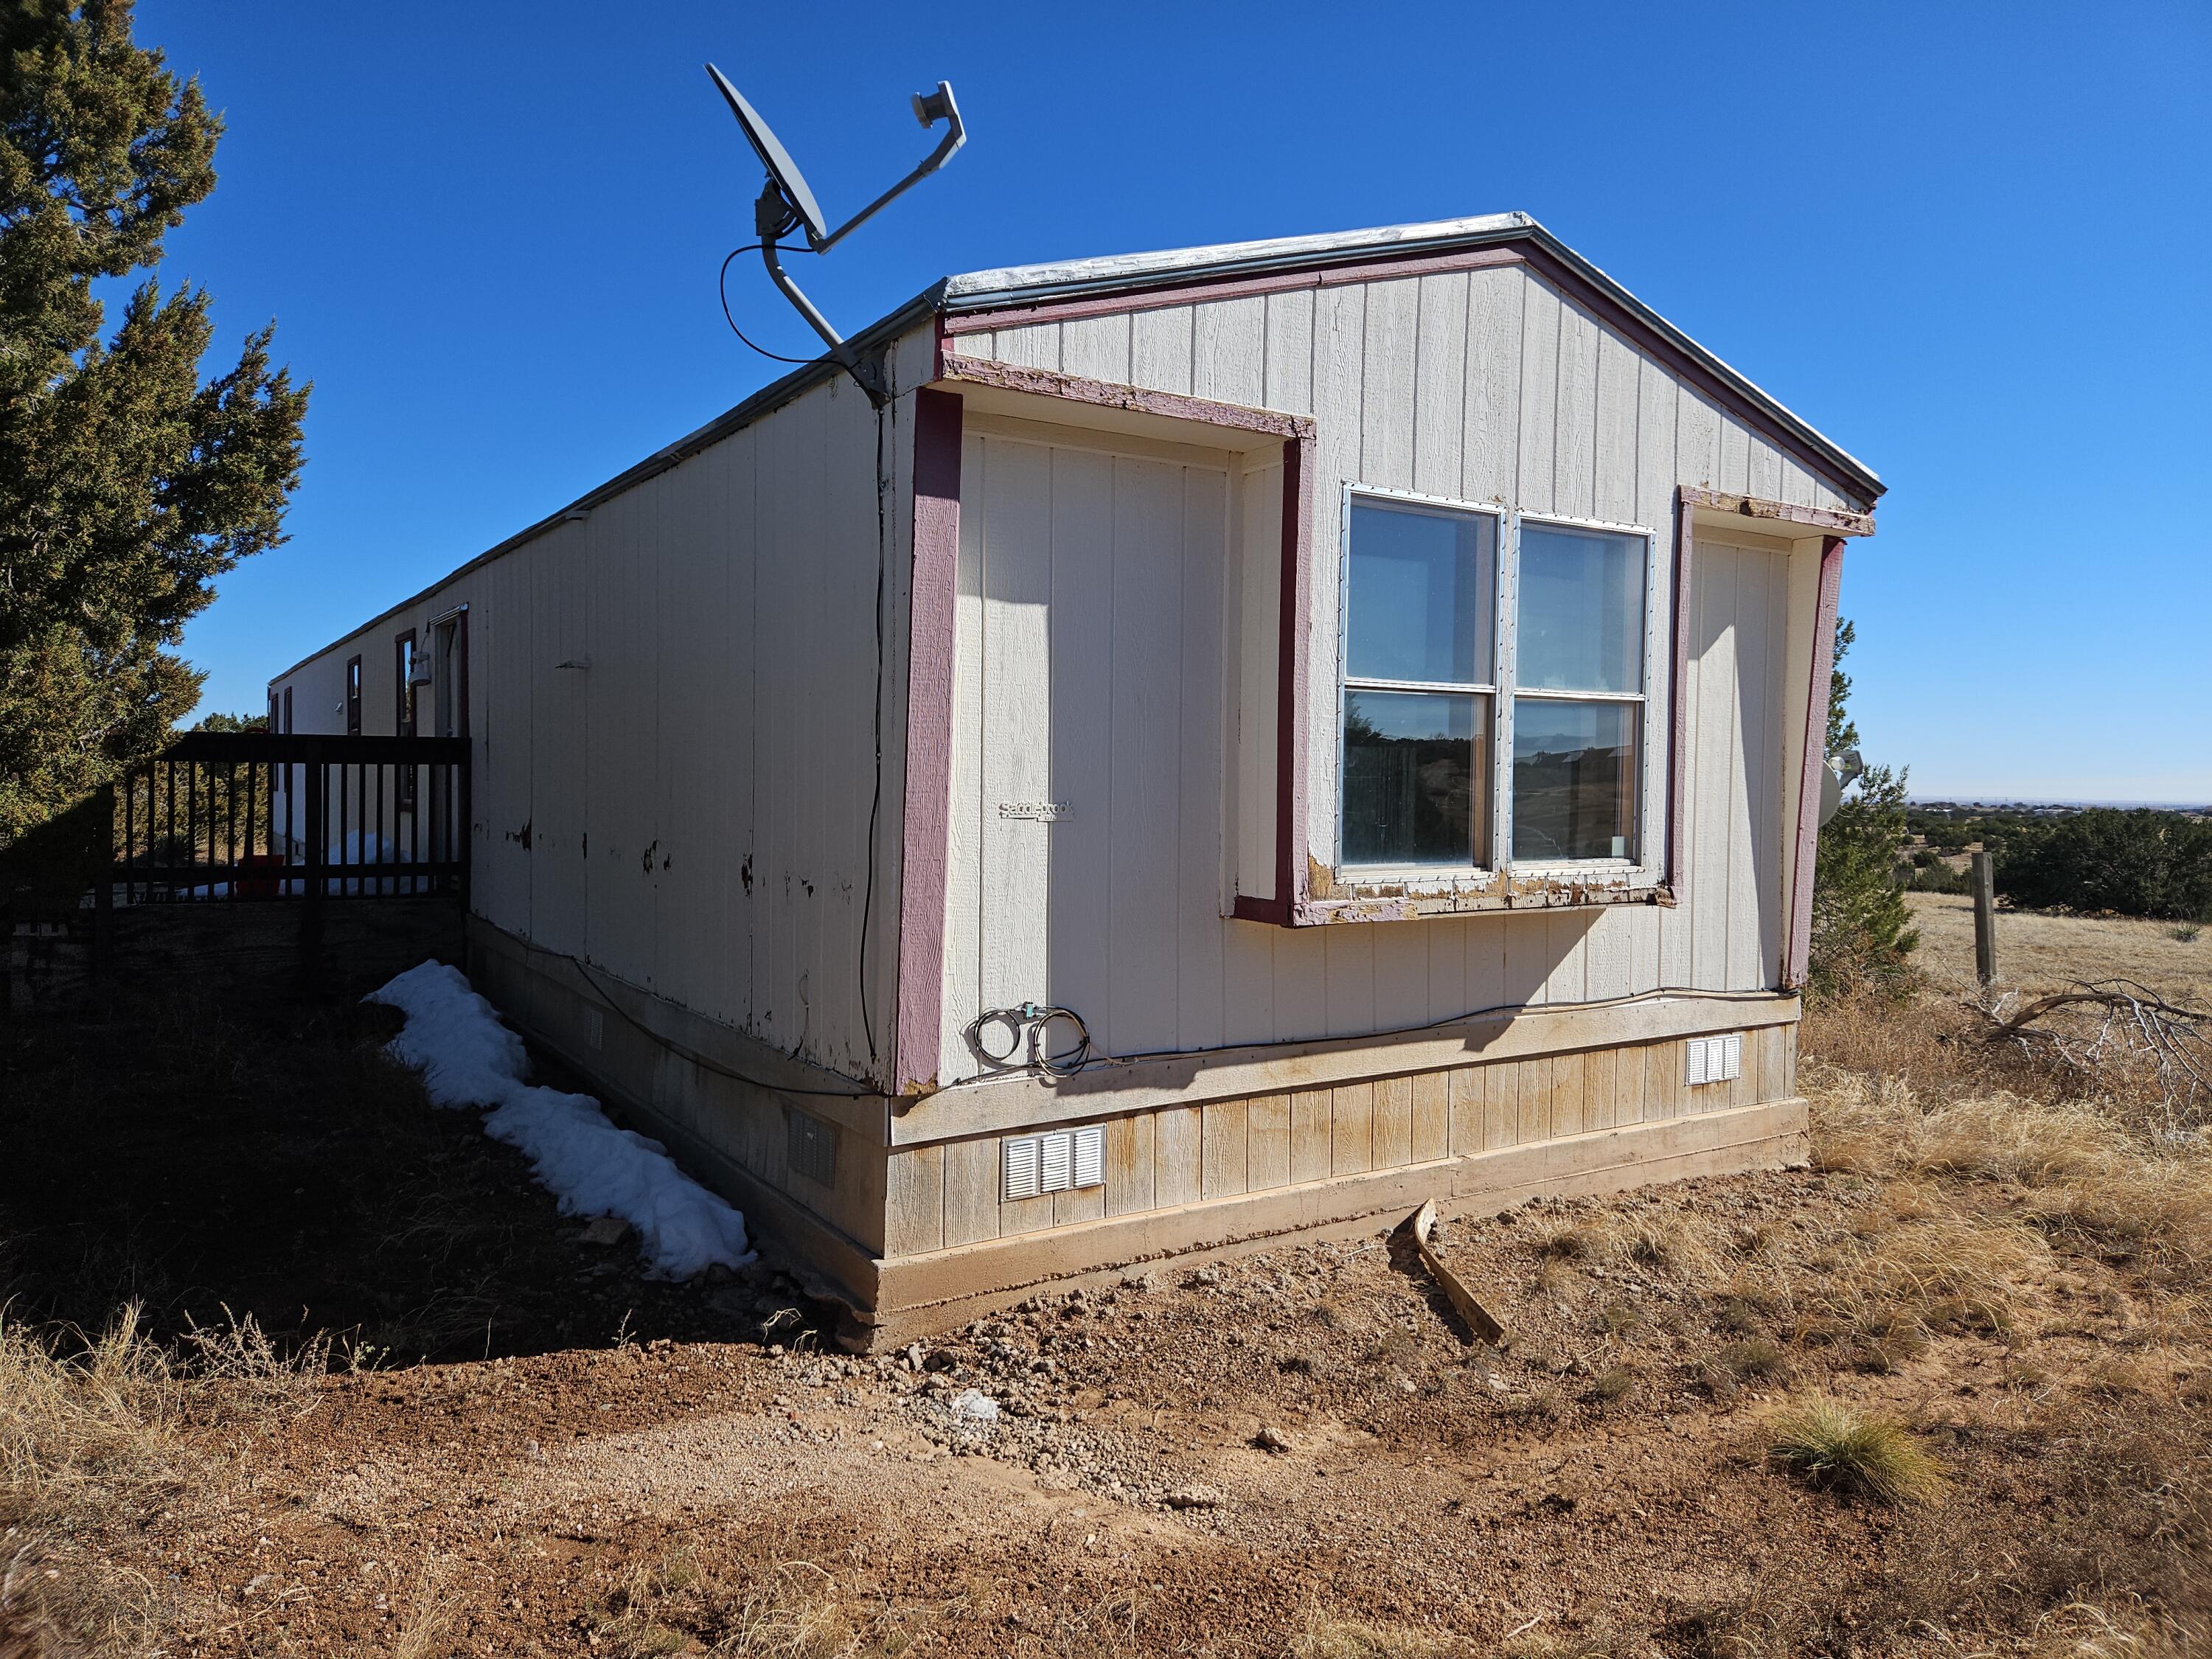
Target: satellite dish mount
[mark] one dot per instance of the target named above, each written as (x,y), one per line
(787,204)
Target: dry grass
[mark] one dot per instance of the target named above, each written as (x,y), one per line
(96,1434)
(431,1613)
(1600,1641)
(2087,1633)
(1757,1359)
(1837,1447)
(1612,1384)
(1995,1203)
(1916,1268)
(2043,951)
(2086,1174)
(87,1432)
(1327,1638)
(797,1611)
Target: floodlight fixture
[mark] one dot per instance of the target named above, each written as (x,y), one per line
(787,204)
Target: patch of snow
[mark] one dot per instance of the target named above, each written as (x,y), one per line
(468,1057)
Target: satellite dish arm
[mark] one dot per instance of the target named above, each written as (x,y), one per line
(771,256)
(929,108)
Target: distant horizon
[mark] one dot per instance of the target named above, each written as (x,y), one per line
(1956,798)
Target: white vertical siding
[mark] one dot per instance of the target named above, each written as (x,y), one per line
(1486,386)
(690,813)
(1088,673)
(1740,623)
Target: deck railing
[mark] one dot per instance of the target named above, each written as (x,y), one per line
(239,816)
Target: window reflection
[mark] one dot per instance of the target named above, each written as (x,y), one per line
(1574,779)
(1414,767)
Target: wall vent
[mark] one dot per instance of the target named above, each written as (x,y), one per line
(1022,1166)
(1059,1162)
(812,1146)
(1063,1160)
(595,1029)
(1091,1158)
(1715,1058)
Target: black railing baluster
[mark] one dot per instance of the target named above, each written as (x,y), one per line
(203,820)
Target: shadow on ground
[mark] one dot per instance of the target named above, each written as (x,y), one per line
(200,1150)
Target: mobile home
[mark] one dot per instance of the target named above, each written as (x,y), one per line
(1224,744)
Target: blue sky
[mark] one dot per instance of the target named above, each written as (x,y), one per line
(1969,241)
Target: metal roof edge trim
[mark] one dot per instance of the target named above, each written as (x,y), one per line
(981,291)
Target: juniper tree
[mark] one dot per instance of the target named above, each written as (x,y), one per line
(127,483)
(1861,929)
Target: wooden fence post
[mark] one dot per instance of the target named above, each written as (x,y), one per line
(1985,918)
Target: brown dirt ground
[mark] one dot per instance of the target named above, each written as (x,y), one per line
(589,1463)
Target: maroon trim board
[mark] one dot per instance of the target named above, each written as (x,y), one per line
(1677,713)
(1109,394)
(1293,693)
(1756,511)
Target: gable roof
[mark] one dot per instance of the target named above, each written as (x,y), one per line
(1054,286)
(1132,277)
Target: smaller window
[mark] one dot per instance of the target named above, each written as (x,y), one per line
(287,708)
(402,652)
(1419,627)
(352,696)
(1578,694)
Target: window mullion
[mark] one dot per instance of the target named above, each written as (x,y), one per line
(1560,693)
(1505,609)
(1420,687)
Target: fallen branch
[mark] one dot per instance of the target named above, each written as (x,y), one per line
(2129,1021)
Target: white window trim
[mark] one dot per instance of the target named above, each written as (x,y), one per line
(1645,870)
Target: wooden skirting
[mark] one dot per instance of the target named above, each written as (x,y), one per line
(946,1195)
(948,1287)
(911,1234)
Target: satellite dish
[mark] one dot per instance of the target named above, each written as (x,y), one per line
(785,204)
(1841,772)
(782,171)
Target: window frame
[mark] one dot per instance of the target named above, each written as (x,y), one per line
(1643,867)
(404,646)
(1348,682)
(405,722)
(352,694)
